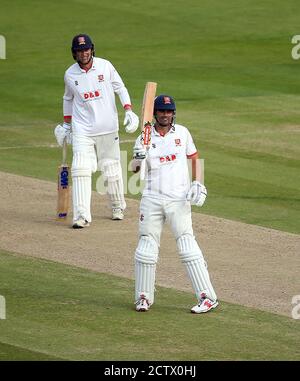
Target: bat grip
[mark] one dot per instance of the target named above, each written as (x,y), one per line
(143,169)
(64,152)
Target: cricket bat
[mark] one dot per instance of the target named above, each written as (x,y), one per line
(63,187)
(146,120)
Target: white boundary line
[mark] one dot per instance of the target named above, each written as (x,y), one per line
(53,145)
(33,146)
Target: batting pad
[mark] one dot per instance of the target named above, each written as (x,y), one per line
(81,189)
(192,257)
(81,186)
(113,175)
(81,165)
(146,256)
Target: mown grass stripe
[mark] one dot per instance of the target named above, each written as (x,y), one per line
(75,314)
(10,352)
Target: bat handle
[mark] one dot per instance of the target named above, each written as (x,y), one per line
(64,152)
(143,169)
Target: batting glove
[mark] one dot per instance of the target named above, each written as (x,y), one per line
(131,121)
(197,193)
(63,132)
(139,152)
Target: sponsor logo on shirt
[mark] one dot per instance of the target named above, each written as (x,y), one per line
(90,95)
(167,158)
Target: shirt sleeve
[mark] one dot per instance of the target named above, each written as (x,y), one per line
(67,99)
(119,87)
(191,149)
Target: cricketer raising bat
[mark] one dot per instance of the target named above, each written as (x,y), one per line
(146,120)
(63,188)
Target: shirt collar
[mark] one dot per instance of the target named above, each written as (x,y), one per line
(83,71)
(171,130)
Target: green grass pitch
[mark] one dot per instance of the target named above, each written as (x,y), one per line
(59,312)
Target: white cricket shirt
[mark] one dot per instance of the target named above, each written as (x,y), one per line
(167,175)
(90,98)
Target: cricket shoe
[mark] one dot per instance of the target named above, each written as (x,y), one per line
(117,214)
(205,304)
(80,223)
(142,305)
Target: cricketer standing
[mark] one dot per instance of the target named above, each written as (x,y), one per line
(167,197)
(91,126)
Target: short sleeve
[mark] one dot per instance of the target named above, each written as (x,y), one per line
(191,149)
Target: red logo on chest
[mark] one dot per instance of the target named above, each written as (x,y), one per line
(91,94)
(167,158)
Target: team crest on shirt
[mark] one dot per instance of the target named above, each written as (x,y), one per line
(76,83)
(100,78)
(81,40)
(177,142)
(142,217)
(153,145)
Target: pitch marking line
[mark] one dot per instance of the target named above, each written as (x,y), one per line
(54,145)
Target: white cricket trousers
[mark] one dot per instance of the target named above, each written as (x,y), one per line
(92,153)
(153,214)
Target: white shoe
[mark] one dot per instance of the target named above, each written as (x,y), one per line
(117,214)
(205,304)
(80,223)
(142,305)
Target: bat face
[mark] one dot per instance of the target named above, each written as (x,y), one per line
(146,120)
(63,191)
(147,112)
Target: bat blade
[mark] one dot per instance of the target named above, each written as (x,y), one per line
(146,120)
(63,188)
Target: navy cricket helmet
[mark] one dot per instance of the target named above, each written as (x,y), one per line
(82,42)
(164,102)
